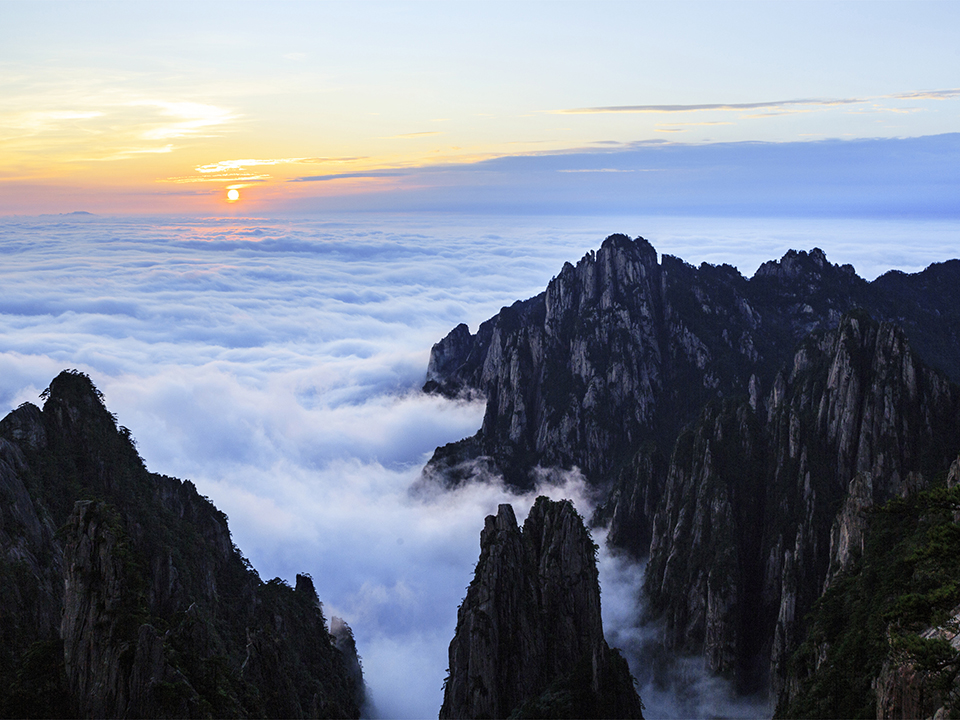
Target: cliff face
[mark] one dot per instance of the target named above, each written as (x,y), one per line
(763,507)
(529,637)
(739,431)
(140,604)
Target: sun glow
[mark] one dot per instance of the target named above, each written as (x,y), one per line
(233,195)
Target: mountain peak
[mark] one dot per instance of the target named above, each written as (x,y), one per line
(796,264)
(529,639)
(73,389)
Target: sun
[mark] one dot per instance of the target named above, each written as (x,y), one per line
(233,195)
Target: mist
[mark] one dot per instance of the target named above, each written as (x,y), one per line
(277,363)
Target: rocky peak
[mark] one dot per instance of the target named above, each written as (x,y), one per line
(72,395)
(449,354)
(795,265)
(529,637)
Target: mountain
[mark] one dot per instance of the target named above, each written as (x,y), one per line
(529,639)
(123,594)
(622,350)
(737,431)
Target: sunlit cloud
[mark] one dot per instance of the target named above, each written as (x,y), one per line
(767,109)
(39,122)
(777,107)
(407,136)
(228,165)
(349,176)
(128,153)
(237,170)
(220,178)
(192,118)
(705,123)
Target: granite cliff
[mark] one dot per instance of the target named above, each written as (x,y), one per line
(529,639)
(123,595)
(739,432)
(764,505)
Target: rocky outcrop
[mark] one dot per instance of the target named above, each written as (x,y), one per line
(529,638)
(140,605)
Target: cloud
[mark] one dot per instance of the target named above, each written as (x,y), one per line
(110,126)
(929,95)
(276,363)
(707,106)
(916,177)
(350,176)
(599,170)
(190,118)
(227,166)
(770,105)
(406,136)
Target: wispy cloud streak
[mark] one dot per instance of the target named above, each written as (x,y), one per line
(704,106)
(771,105)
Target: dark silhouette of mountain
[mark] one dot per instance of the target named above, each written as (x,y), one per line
(123,595)
(736,430)
(529,640)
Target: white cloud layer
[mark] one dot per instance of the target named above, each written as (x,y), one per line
(276,363)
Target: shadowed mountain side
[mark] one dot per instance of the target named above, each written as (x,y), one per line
(123,595)
(762,505)
(620,352)
(529,639)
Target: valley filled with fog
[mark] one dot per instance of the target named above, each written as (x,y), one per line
(277,363)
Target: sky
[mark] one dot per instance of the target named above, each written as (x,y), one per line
(153,107)
(402,168)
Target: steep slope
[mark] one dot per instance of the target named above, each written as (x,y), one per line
(529,639)
(123,594)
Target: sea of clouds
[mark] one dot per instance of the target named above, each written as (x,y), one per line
(277,364)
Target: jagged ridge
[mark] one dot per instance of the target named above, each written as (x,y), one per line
(621,351)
